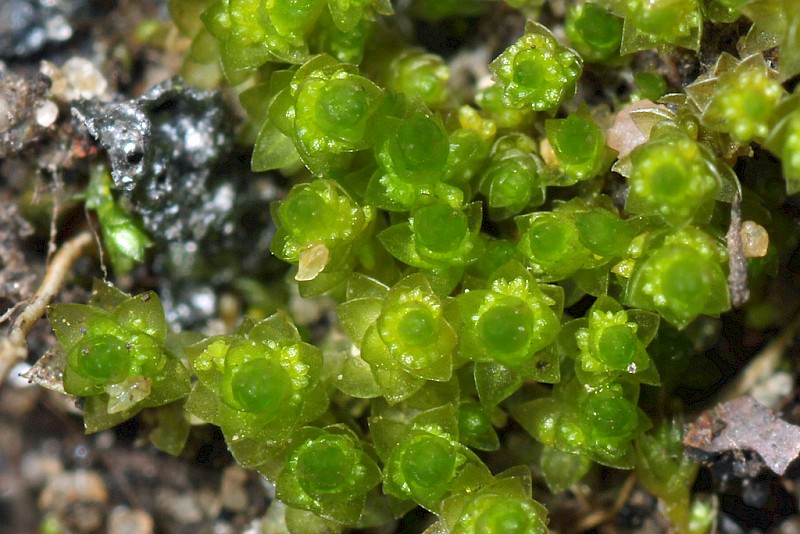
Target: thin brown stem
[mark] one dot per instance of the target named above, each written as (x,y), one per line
(599,517)
(14,347)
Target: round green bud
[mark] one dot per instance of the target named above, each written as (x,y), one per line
(506,329)
(666,18)
(684,279)
(324,466)
(147,355)
(417,325)
(473,421)
(594,32)
(418,73)
(103,358)
(341,104)
(428,462)
(603,232)
(529,67)
(744,104)
(290,16)
(304,212)
(550,238)
(259,385)
(617,346)
(439,228)
(511,183)
(317,212)
(536,71)
(576,141)
(408,325)
(680,282)
(569,435)
(609,415)
(501,514)
(506,516)
(422,145)
(670,177)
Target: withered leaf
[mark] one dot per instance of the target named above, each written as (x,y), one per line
(745,425)
(48,371)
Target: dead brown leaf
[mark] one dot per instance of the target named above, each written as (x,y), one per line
(745,425)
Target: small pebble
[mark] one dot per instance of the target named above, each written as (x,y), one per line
(755,240)
(72,487)
(182,508)
(37,467)
(46,113)
(123,520)
(232,490)
(77,79)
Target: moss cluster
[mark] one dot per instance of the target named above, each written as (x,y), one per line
(457,228)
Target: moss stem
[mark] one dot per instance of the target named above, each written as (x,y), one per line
(14,347)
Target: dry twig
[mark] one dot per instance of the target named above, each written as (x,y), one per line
(14,347)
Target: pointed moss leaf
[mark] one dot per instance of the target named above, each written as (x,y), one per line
(143,313)
(444,418)
(544,367)
(495,382)
(203,403)
(106,296)
(173,428)
(273,150)
(539,418)
(172,384)
(398,241)
(603,232)
(361,286)
(647,325)
(72,322)
(356,379)
(395,383)
(357,315)
(278,326)
(386,434)
(592,281)
(97,418)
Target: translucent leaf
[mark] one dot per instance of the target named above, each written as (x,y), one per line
(399,242)
(277,327)
(72,322)
(495,382)
(143,313)
(97,418)
(357,315)
(647,324)
(105,295)
(361,286)
(355,379)
(273,150)
(172,430)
